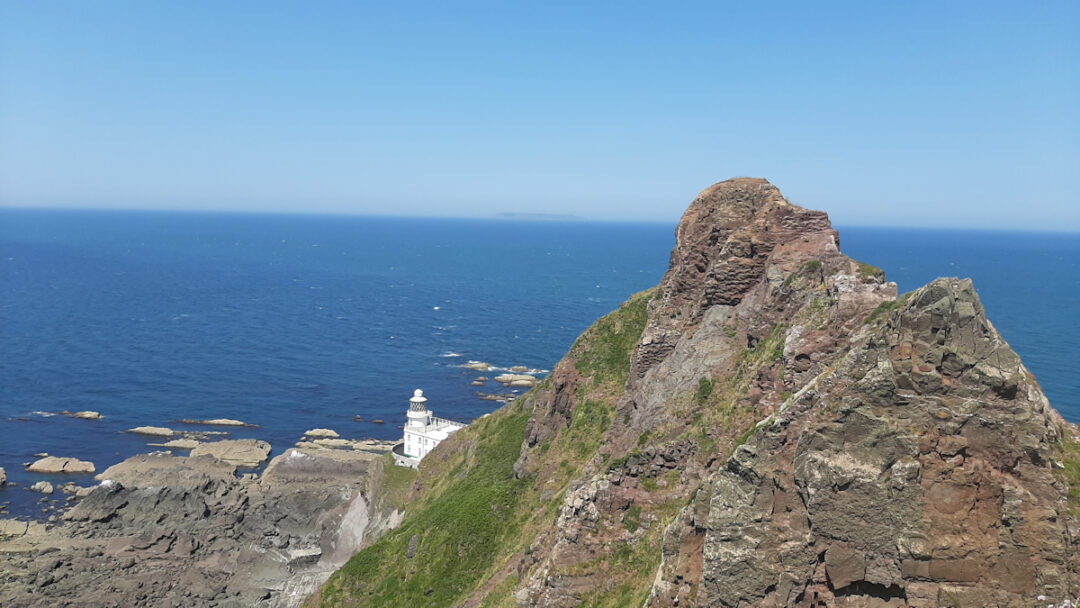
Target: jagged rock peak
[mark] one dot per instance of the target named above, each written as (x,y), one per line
(731,229)
(735,234)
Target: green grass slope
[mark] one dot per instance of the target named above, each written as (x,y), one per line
(472,518)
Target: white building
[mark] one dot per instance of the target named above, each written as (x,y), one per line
(422,432)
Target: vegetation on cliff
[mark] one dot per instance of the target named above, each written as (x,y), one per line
(472,513)
(770,425)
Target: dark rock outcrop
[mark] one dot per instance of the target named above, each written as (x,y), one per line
(162,530)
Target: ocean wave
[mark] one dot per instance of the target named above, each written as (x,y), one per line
(43,414)
(451,354)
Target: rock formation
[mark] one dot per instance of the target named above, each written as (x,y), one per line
(162,530)
(154,431)
(245,453)
(770,426)
(54,464)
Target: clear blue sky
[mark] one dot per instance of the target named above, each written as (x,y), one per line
(952,114)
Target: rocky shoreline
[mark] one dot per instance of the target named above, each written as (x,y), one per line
(162,529)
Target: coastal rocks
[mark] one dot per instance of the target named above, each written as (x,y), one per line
(54,464)
(375,446)
(478,366)
(13,527)
(163,530)
(3,477)
(244,453)
(500,397)
(164,469)
(321,433)
(42,486)
(154,431)
(217,422)
(182,443)
(522,380)
(331,442)
(88,415)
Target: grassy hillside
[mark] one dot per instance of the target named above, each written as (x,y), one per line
(472,518)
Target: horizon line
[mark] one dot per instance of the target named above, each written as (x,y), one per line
(501,216)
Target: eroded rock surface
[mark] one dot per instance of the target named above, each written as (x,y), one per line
(917,473)
(246,453)
(163,530)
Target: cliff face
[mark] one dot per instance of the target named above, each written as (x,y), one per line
(769,426)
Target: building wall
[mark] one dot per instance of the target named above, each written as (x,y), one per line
(417,444)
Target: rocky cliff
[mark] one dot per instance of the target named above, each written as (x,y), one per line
(770,426)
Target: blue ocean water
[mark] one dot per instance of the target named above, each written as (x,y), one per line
(294,322)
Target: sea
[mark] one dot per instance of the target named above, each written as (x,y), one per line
(295,322)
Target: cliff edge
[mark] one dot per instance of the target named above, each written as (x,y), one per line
(772,425)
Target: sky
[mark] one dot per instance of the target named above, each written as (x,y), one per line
(938,114)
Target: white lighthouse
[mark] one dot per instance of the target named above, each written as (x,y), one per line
(423,432)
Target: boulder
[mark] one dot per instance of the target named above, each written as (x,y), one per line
(42,486)
(238,452)
(154,431)
(478,366)
(88,415)
(3,476)
(322,433)
(55,464)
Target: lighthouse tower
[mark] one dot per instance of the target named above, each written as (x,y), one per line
(419,415)
(423,431)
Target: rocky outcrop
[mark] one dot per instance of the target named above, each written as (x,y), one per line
(322,433)
(217,422)
(154,431)
(917,473)
(54,464)
(3,476)
(244,453)
(164,530)
(785,431)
